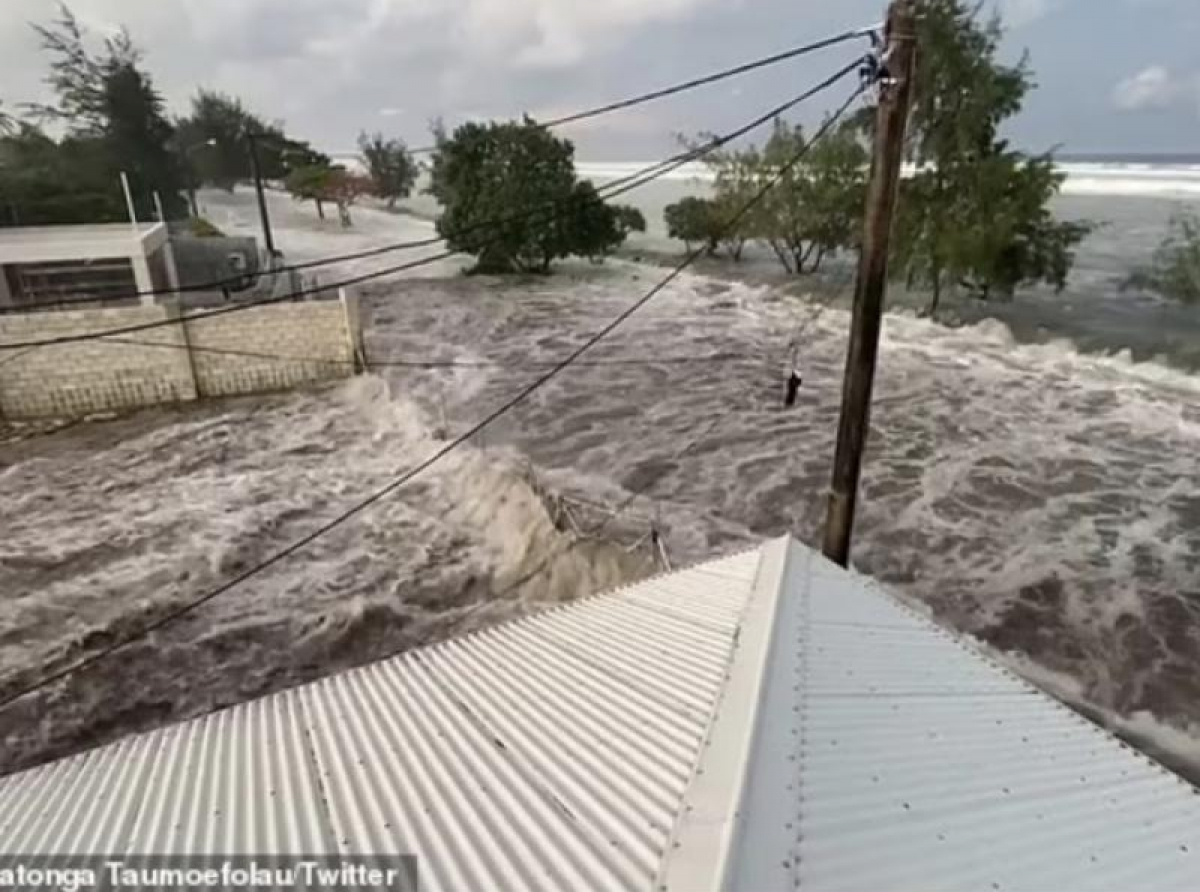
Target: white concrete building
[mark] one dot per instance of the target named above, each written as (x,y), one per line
(43,265)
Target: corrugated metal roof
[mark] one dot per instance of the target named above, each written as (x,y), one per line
(763,722)
(548,753)
(890,754)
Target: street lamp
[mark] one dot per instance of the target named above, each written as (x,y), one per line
(252,138)
(187,158)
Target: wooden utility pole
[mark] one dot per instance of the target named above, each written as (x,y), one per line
(895,93)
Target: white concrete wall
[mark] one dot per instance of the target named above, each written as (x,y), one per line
(143,277)
(170,364)
(54,244)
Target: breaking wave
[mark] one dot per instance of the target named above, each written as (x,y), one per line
(1166,180)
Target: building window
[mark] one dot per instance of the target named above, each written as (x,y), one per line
(42,284)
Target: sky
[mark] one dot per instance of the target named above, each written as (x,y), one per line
(1117,76)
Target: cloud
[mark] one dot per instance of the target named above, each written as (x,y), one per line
(1018,13)
(329,67)
(556,33)
(1156,88)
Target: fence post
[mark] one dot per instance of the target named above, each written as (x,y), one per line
(353,316)
(174,310)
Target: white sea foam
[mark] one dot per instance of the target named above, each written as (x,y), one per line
(1170,181)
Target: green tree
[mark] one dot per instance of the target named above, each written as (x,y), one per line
(594,229)
(975,215)
(390,166)
(320,183)
(213,138)
(738,176)
(313,183)
(1175,269)
(816,209)
(44,181)
(629,220)
(108,97)
(346,188)
(139,136)
(111,120)
(510,198)
(738,180)
(695,221)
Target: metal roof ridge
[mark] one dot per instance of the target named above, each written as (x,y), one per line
(709,820)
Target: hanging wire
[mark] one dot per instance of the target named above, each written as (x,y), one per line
(466,437)
(636,181)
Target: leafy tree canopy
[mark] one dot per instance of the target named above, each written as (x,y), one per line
(695,221)
(1175,269)
(811,213)
(322,183)
(44,181)
(816,209)
(213,138)
(115,122)
(390,166)
(510,198)
(976,214)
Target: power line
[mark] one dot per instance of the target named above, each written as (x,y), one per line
(627,184)
(698,82)
(430,364)
(232,281)
(511,404)
(820,306)
(816,311)
(365,254)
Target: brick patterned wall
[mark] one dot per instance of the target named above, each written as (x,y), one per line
(316,331)
(70,380)
(129,371)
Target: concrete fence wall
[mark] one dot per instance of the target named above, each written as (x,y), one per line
(203,355)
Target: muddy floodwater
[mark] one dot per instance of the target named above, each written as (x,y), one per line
(1029,481)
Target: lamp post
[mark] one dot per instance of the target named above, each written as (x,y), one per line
(268,240)
(191,173)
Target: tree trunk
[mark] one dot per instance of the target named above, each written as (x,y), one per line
(798,259)
(779,253)
(802,264)
(320,208)
(937,295)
